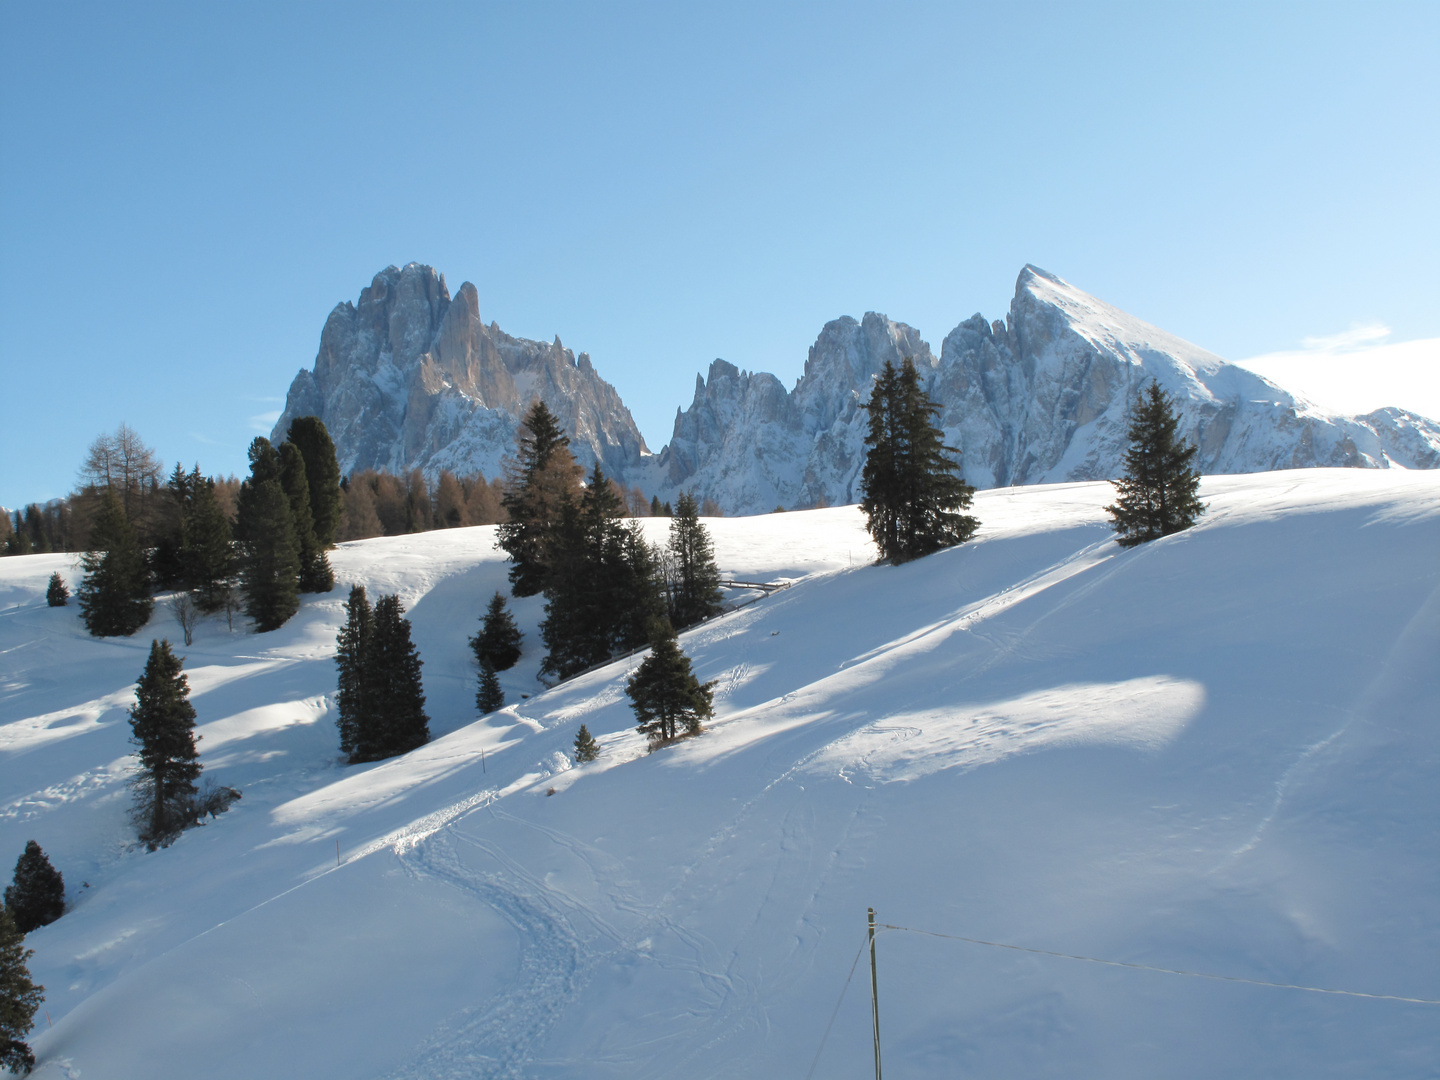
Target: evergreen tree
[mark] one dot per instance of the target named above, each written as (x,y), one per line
(910,484)
(641,593)
(315,574)
(490,696)
(394,720)
(115,595)
(37,897)
(499,639)
(208,549)
(162,721)
(1158,493)
(601,575)
(352,644)
(933,486)
(544,481)
(655,508)
(167,555)
(264,525)
(322,472)
(56,594)
(694,587)
(20,997)
(586,748)
(668,700)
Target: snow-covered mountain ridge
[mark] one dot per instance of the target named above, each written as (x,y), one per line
(1039,398)
(1213,752)
(407,379)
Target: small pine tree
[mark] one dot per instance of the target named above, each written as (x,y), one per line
(1158,493)
(265,527)
(163,724)
(499,638)
(586,748)
(351,646)
(668,700)
(115,595)
(20,997)
(37,897)
(655,508)
(694,587)
(56,594)
(490,696)
(395,720)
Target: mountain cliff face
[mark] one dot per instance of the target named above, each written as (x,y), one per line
(408,378)
(1039,398)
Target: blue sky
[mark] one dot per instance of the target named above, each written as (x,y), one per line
(187,190)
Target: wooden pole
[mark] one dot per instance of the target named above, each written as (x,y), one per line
(874,994)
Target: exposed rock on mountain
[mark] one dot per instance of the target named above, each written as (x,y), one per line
(409,378)
(1039,398)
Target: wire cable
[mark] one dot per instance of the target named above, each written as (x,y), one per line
(853,965)
(1163,970)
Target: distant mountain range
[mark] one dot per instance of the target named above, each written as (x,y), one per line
(410,378)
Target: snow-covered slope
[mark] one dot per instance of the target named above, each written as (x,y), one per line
(1215,752)
(1039,398)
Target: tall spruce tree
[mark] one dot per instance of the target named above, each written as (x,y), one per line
(208,549)
(36,897)
(490,695)
(315,575)
(322,471)
(20,997)
(166,555)
(498,641)
(668,700)
(162,722)
(56,593)
(911,490)
(115,595)
(394,721)
(265,527)
(351,645)
(541,485)
(694,586)
(1158,495)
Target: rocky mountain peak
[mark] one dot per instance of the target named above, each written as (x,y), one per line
(408,378)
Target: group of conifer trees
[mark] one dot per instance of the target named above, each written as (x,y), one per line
(145,536)
(286,516)
(380,701)
(604,585)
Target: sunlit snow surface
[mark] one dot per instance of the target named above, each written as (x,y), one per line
(1217,752)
